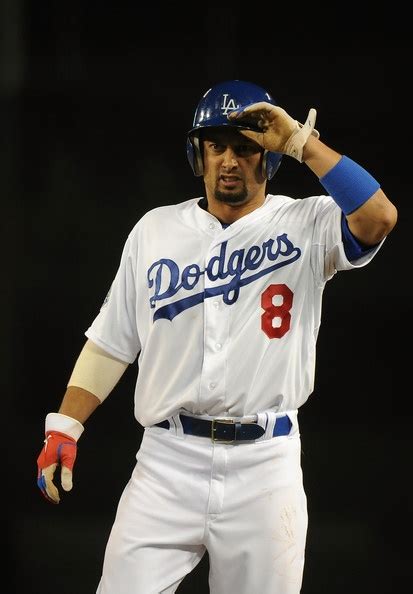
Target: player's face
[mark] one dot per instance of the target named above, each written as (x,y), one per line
(232,166)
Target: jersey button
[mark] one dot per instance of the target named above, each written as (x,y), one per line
(218,346)
(216,304)
(211,225)
(212,385)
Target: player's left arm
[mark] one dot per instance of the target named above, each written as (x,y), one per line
(370,214)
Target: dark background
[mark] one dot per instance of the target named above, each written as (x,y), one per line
(96,99)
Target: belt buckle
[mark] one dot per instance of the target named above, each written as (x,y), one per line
(213,430)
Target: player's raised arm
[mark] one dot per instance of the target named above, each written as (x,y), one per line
(370,214)
(94,376)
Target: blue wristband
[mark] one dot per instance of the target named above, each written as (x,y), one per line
(349,184)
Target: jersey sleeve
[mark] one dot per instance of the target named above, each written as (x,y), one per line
(353,248)
(115,329)
(330,254)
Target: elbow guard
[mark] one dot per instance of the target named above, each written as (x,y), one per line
(96,371)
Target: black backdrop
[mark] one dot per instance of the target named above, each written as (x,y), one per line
(95,104)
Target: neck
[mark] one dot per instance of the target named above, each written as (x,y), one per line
(228,213)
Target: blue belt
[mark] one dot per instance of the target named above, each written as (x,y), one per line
(227,430)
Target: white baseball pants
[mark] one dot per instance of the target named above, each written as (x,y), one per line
(244,503)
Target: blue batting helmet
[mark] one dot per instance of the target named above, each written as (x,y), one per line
(212,111)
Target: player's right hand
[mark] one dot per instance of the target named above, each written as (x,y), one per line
(59,450)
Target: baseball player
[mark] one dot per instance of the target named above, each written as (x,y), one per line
(219,299)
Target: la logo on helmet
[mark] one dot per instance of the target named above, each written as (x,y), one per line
(230,106)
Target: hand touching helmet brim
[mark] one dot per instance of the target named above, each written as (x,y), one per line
(279,132)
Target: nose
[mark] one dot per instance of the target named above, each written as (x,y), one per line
(229,159)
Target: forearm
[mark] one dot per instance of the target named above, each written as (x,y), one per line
(78,403)
(319,157)
(94,376)
(372,220)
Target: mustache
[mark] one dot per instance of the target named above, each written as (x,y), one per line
(230,176)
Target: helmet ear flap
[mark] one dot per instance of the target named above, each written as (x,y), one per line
(270,163)
(194,154)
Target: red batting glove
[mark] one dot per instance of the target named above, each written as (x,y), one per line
(59,450)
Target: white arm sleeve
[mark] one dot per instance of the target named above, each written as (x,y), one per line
(96,371)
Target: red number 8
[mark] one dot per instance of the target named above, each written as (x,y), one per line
(271,311)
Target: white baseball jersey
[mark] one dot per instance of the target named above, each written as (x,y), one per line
(224,321)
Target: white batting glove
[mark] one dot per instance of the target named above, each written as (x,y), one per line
(280,132)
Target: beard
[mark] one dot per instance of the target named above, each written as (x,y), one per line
(231,197)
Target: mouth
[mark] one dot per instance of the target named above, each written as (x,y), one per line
(229,181)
